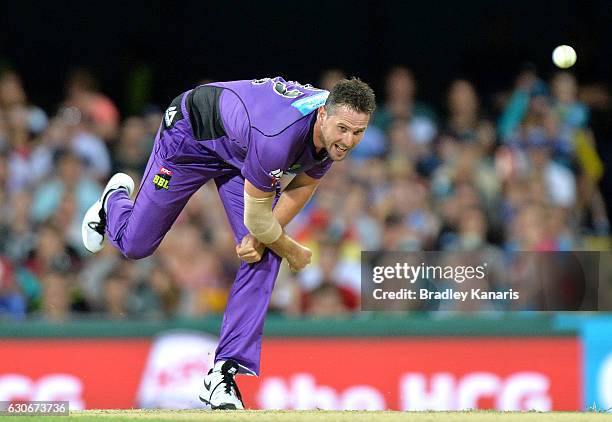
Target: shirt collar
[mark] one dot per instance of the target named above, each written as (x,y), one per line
(321,155)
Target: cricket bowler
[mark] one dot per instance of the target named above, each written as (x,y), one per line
(245,135)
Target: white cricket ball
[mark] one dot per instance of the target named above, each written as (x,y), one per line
(564,56)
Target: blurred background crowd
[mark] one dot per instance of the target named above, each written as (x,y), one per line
(517,170)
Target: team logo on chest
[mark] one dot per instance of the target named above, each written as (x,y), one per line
(162,179)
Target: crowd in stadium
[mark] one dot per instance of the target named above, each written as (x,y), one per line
(516,171)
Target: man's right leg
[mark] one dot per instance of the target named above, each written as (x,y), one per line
(177,167)
(137,227)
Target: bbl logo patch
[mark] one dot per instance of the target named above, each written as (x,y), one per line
(162,179)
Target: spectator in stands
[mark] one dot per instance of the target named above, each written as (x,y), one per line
(23,165)
(405,152)
(13,96)
(96,108)
(84,142)
(359,218)
(95,270)
(51,253)
(55,300)
(166,293)
(450,208)
(197,270)
(69,178)
(326,301)
(571,114)
(527,85)
(68,131)
(409,198)
(463,110)
(287,296)
(397,237)
(561,230)
(400,103)
(333,265)
(66,217)
(130,155)
(137,290)
(116,294)
(152,117)
(330,77)
(20,234)
(470,166)
(471,231)
(559,182)
(12,302)
(530,231)
(49,272)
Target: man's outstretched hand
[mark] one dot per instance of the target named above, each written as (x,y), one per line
(250,249)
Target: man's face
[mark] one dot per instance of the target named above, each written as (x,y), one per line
(341,130)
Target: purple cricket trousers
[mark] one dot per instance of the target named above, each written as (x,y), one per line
(179,165)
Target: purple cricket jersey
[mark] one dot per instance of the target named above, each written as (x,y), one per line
(227,132)
(268,129)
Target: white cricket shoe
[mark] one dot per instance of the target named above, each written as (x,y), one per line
(94,222)
(220,389)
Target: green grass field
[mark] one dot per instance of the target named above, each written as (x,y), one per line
(318,416)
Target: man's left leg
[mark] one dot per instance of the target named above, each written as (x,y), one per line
(239,347)
(243,320)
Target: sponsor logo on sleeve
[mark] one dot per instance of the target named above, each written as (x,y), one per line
(310,103)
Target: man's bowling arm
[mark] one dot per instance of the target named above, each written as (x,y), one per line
(264,225)
(295,197)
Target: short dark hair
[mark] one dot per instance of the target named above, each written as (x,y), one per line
(352,93)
